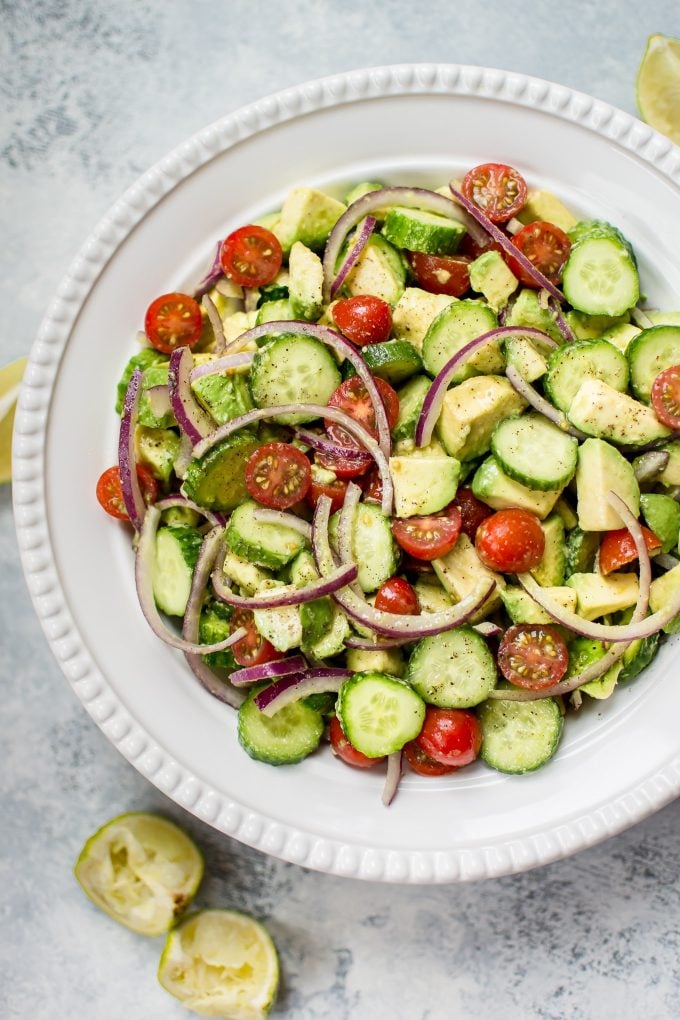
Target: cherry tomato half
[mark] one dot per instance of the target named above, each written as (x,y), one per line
(252,649)
(422,764)
(617,548)
(533,655)
(278,475)
(397,596)
(110,491)
(341,747)
(666,397)
(473,249)
(352,397)
(546,246)
(472,511)
(251,256)
(173,320)
(372,486)
(428,538)
(510,541)
(451,736)
(364,319)
(497,189)
(335,491)
(441,274)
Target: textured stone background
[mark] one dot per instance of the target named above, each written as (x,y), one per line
(92,94)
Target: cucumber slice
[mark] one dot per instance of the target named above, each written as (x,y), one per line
(270,311)
(155,375)
(600,277)
(416,230)
(216,480)
(452,329)
(453,670)
(284,738)
(411,399)
(393,360)
(581,550)
(379,713)
(293,370)
(519,736)
(176,554)
(142,360)
(586,359)
(585,229)
(649,353)
(535,452)
(267,545)
(373,547)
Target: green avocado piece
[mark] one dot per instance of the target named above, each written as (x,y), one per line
(662,514)
(216,480)
(142,360)
(223,396)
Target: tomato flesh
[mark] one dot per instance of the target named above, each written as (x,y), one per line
(364,319)
(666,397)
(251,256)
(335,491)
(397,596)
(546,246)
(450,736)
(252,649)
(441,274)
(278,475)
(472,511)
(173,320)
(497,189)
(617,548)
(429,537)
(533,656)
(352,397)
(110,491)
(422,764)
(510,541)
(345,750)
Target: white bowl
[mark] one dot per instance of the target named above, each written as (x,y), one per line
(618,761)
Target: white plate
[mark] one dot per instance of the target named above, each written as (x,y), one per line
(618,761)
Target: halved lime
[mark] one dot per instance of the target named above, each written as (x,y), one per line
(142,870)
(658,86)
(221,963)
(10,379)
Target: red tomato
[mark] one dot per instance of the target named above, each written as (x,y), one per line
(666,397)
(335,491)
(397,596)
(428,538)
(546,246)
(373,490)
(452,736)
(110,491)
(618,548)
(473,249)
(251,256)
(173,320)
(252,649)
(341,746)
(422,764)
(352,397)
(441,274)
(343,467)
(364,319)
(278,475)
(497,189)
(533,655)
(510,541)
(472,511)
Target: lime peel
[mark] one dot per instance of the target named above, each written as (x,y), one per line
(10,381)
(657,87)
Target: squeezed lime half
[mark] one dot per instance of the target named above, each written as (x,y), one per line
(657,89)
(221,963)
(10,380)
(142,870)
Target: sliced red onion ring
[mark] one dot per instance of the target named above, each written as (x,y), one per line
(390,624)
(506,244)
(212,276)
(269,670)
(184,457)
(224,364)
(364,231)
(392,778)
(434,399)
(332,413)
(212,516)
(127,458)
(651,464)
(221,689)
(375,645)
(540,404)
(215,322)
(299,685)
(560,321)
(159,400)
(331,449)
(275,598)
(410,198)
(191,418)
(640,318)
(344,349)
(144,561)
(285,520)
(487,629)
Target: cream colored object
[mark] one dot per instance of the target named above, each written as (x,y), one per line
(413,313)
(658,86)
(10,380)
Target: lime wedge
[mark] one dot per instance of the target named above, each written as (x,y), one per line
(10,380)
(141,870)
(657,88)
(221,963)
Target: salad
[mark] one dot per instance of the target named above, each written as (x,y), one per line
(406,468)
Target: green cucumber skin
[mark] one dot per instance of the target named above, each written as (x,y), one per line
(264,738)
(394,360)
(407,727)
(463,645)
(293,369)
(518,431)
(265,548)
(505,750)
(649,353)
(591,295)
(581,360)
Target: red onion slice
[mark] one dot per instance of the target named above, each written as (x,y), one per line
(410,198)
(191,418)
(300,685)
(285,520)
(127,458)
(324,445)
(434,399)
(640,318)
(540,404)
(226,363)
(215,322)
(159,400)
(375,645)
(269,670)
(274,599)
(488,629)
(506,244)
(392,778)
(212,276)
(183,502)
(364,231)
(184,457)
(560,321)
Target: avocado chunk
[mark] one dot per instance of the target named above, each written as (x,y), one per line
(431,596)
(388,660)
(223,395)
(543,205)
(661,591)
(597,595)
(309,216)
(455,327)
(601,411)
(621,335)
(141,360)
(601,469)
(380,270)
(671,473)
(584,652)
(281,626)
(461,572)
(662,514)
(490,277)
(526,311)
(521,608)
(157,449)
(591,327)
(521,353)
(471,411)
(492,486)
(154,375)
(550,570)
(661,318)
(411,399)
(413,313)
(423,485)
(306,282)
(217,480)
